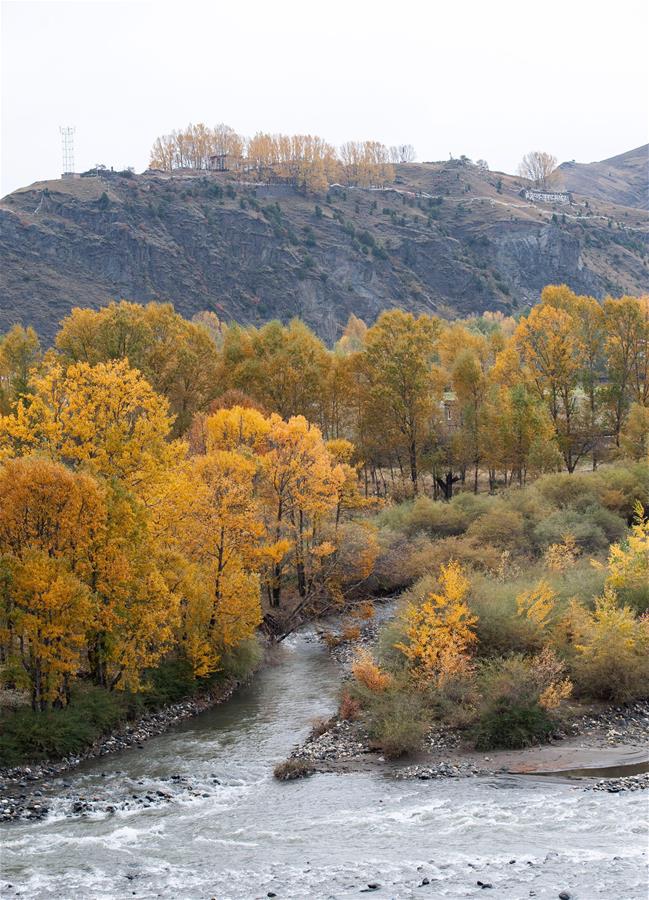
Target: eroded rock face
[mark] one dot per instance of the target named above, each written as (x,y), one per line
(452,242)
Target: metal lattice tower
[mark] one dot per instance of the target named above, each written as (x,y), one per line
(67,148)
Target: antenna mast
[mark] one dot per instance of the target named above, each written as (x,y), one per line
(67,148)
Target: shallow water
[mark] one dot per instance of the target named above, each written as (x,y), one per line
(232,831)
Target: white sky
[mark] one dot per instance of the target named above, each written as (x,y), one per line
(488,79)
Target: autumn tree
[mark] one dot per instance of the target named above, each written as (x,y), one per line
(20,351)
(177,357)
(105,417)
(519,432)
(634,436)
(49,519)
(470,385)
(353,336)
(403,387)
(589,321)
(439,632)
(191,147)
(300,487)
(626,326)
(553,351)
(539,167)
(284,368)
(223,536)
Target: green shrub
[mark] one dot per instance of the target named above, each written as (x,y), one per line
(581,580)
(172,680)
(567,491)
(425,555)
(501,527)
(499,628)
(471,506)
(512,727)
(28,736)
(590,537)
(389,657)
(636,597)
(241,661)
(456,700)
(396,721)
(511,690)
(431,517)
(620,486)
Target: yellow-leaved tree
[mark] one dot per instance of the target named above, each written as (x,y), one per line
(439,632)
(105,417)
(552,350)
(226,531)
(300,485)
(628,562)
(49,518)
(612,646)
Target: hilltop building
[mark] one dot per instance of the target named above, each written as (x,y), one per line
(545,195)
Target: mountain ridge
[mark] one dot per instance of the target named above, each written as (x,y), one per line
(447,238)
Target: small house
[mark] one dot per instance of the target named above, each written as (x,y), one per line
(546,195)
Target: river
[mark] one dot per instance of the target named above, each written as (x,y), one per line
(229,830)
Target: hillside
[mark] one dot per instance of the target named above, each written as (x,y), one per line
(445,238)
(622,179)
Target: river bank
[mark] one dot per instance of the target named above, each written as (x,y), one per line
(599,740)
(20,796)
(224,827)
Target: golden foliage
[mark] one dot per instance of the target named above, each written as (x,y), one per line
(628,563)
(560,557)
(367,673)
(439,632)
(106,417)
(612,647)
(537,604)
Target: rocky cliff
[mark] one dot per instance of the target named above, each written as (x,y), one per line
(448,238)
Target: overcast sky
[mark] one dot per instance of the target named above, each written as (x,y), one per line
(491,80)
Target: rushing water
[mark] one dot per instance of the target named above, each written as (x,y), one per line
(231,831)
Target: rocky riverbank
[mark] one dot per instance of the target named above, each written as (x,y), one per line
(22,787)
(585,739)
(626,783)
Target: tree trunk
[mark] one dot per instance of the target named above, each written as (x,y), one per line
(412,451)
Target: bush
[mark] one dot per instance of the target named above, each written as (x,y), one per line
(425,555)
(393,633)
(367,673)
(291,769)
(171,681)
(612,658)
(499,628)
(471,506)
(517,694)
(350,708)
(240,662)
(501,527)
(619,487)
(567,491)
(320,726)
(28,736)
(588,534)
(425,515)
(396,721)
(512,727)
